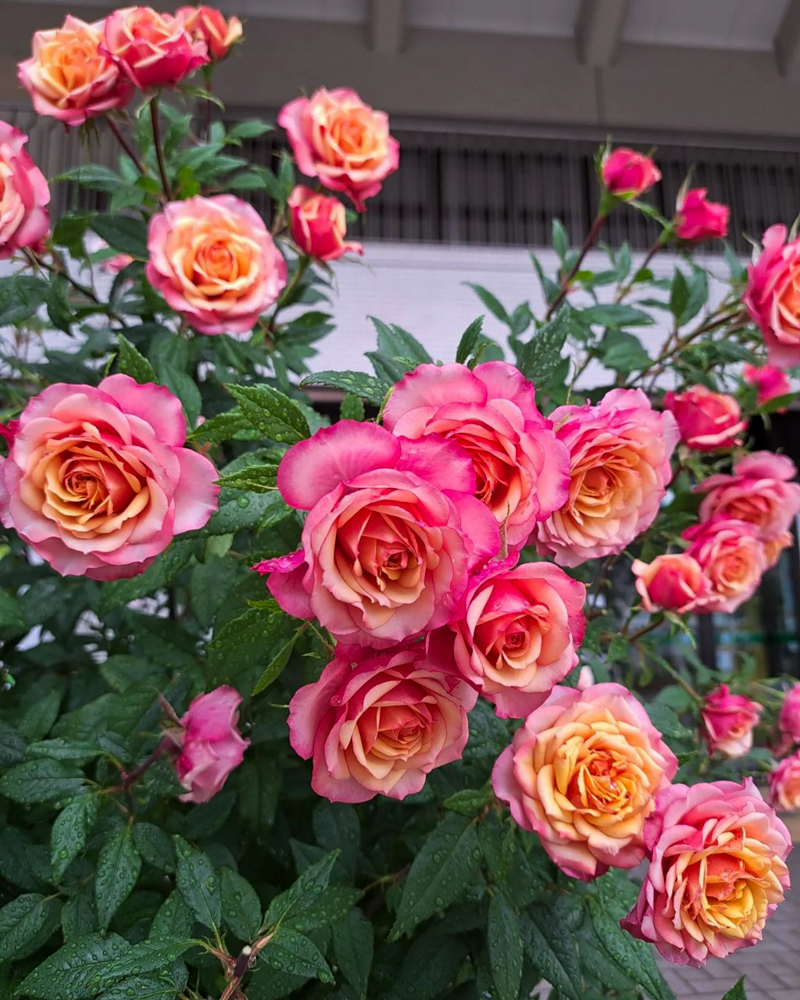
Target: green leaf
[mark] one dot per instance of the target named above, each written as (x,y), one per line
(357,383)
(38,718)
(70,832)
(78,917)
(243,513)
(241,907)
(278,663)
(616,315)
(253,479)
(154,846)
(227,426)
(26,923)
(63,749)
(132,362)
(504,942)
(241,644)
(633,958)
(77,970)
(351,407)
(260,782)
(395,342)
(337,828)
(271,413)
(443,870)
(495,307)
(687,298)
(198,884)
(294,953)
(623,353)
(353,944)
(560,240)
(430,965)
(123,233)
(69,232)
(41,781)
(539,357)
(59,310)
(469,801)
(142,988)
(12,746)
(250,129)
(330,908)
(92,176)
(550,947)
(20,298)
(303,893)
(736,992)
(469,341)
(118,868)
(173,920)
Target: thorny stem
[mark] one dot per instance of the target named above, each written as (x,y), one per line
(566,281)
(129,150)
(162,167)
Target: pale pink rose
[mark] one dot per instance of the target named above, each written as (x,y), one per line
(319,225)
(24,219)
(717,871)
(697,218)
(620,454)
(214,262)
(773,296)
(151,49)
(672,582)
(583,773)
(728,721)
(731,556)
(760,490)
(521,469)
(342,141)
(206,24)
(518,635)
(391,537)
(784,784)
(207,745)
(69,77)
(707,420)
(789,718)
(97,480)
(380,726)
(770,383)
(628,174)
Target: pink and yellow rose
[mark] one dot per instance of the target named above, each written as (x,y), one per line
(628,174)
(69,77)
(673,582)
(620,453)
(770,383)
(97,480)
(697,218)
(24,195)
(342,141)
(717,871)
(378,727)
(784,784)
(520,467)
(209,25)
(707,420)
(583,773)
(151,49)
(319,225)
(392,534)
(518,636)
(789,717)
(731,556)
(773,296)
(214,262)
(728,721)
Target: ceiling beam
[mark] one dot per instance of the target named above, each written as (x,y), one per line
(598,30)
(786,43)
(386,26)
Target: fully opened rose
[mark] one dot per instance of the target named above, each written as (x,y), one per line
(97,480)
(68,76)
(491,412)
(583,772)
(728,721)
(620,453)
(732,558)
(716,874)
(152,49)
(342,141)
(392,533)
(378,727)
(214,262)
(773,296)
(24,195)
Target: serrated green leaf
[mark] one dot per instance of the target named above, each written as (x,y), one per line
(493,304)
(26,923)
(303,893)
(118,868)
(41,781)
(337,828)
(271,413)
(38,718)
(616,315)
(296,954)
(468,801)
(278,663)
(539,357)
(12,746)
(329,909)
(123,233)
(62,749)
(154,846)
(241,907)
(550,947)
(737,992)
(351,407)
(173,920)
(70,832)
(20,298)
(357,383)
(252,479)
(353,944)
(92,176)
(560,240)
(504,942)
(632,957)
(134,363)
(77,970)
(469,341)
(395,342)
(198,884)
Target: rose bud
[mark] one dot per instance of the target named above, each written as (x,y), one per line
(698,219)
(728,721)
(319,225)
(672,582)
(627,174)
(770,383)
(789,718)
(206,24)
(707,420)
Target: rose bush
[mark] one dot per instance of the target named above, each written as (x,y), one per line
(380,697)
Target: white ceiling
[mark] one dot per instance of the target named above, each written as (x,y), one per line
(749,25)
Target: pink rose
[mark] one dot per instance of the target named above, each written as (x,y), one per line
(69,77)
(770,383)
(673,582)
(732,558)
(717,871)
(760,490)
(97,481)
(152,50)
(24,219)
(784,784)
(773,297)
(728,721)
(342,141)
(519,632)
(521,469)
(319,225)
(208,25)
(391,535)
(583,773)
(697,218)
(380,726)
(789,718)
(207,744)
(707,420)
(628,174)
(620,453)
(214,261)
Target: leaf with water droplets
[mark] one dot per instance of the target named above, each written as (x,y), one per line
(174,919)
(302,894)
(550,948)
(70,832)
(12,746)
(355,383)
(26,923)
(198,884)
(291,952)
(353,943)
(141,988)
(241,907)
(154,846)
(270,412)
(41,781)
(633,958)
(118,868)
(76,970)
(505,948)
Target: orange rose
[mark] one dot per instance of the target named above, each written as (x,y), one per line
(208,25)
